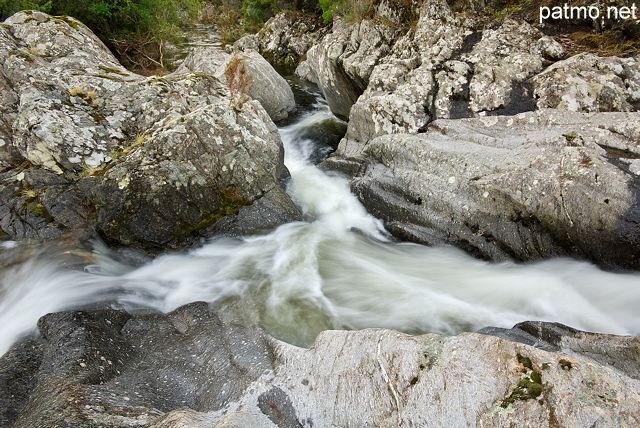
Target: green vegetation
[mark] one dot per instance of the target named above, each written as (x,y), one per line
(230,204)
(137,31)
(529,385)
(9,7)
(565,364)
(236,18)
(351,10)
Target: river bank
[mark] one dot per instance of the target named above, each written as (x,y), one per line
(282,253)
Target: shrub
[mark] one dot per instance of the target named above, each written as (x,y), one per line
(136,30)
(351,10)
(9,7)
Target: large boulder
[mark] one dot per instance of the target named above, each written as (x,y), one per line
(245,71)
(203,367)
(450,66)
(590,83)
(342,62)
(397,98)
(285,38)
(150,161)
(529,186)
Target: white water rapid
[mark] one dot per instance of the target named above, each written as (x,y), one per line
(335,270)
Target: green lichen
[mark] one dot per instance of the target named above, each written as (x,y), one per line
(106,76)
(24,55)
(97,117)
(112,70)
(529,385)
(570,138)
(69,21)
(525,361)
(204,75)
(230,205)
(565,365)
(157,80)
(38,208)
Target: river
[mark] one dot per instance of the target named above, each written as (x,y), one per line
(337,269)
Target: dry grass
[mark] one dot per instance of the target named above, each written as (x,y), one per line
(237,81)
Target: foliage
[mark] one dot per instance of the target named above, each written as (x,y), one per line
(9,7)
(351,10)
(330,8)
(136,30)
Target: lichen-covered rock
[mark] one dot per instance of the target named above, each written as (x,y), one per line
(248,72)
(9,154)
(446,66)
(343,60)
(189,173)
(528,186)
(109,139)
(590,83)
(285,38)
(449,67)
(201,367)
(397,98)
(502,60)
(36,203)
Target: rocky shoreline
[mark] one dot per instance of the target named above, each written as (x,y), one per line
(438,120)
(198,367)
(487,138)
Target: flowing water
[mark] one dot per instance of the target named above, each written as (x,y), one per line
(337,269)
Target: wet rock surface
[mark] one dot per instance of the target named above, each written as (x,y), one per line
(199,366)
(151,162)
(108,367)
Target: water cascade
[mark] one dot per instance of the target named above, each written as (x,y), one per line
(337,269)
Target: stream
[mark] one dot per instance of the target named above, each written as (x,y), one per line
(338,269)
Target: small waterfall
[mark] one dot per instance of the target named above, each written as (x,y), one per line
(336,270)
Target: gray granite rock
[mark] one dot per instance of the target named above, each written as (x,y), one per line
(590,83)
(151,162)
(528,186)
(202,367)
(246,70)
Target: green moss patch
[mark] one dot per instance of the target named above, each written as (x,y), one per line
(529,385)
(106,76)
(112,70)
(24,55)
(69,21)
(38,208)
(565,365)
(230,205)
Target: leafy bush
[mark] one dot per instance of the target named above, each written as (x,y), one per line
(9,7)
(351,10)
(136,30)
